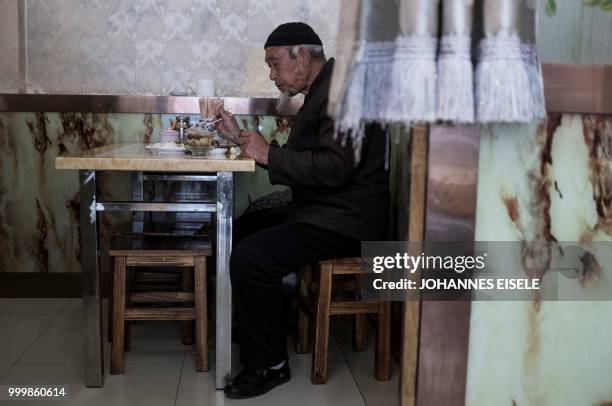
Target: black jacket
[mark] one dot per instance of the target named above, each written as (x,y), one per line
(328,189)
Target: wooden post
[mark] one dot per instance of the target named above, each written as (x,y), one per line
(416,228)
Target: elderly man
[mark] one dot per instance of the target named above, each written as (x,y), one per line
(337,202)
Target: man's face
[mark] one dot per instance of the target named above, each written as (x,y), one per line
(289,74)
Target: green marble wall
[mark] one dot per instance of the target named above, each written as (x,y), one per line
(545,182)
(573,32)
(39,205)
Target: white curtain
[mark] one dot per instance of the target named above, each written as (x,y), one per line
(460,61)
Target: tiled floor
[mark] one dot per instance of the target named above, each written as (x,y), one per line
(41,343)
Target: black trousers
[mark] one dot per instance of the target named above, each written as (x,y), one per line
(266,249)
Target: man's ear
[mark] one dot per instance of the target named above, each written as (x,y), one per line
(304,55)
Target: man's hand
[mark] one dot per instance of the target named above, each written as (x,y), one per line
(228,126)
(254,145)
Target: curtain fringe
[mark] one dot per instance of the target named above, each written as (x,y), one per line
(508,85)
(455,80)
(412,92)
(391,81)
(536,80)
(401,81)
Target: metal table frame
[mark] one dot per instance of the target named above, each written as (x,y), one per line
(92,295)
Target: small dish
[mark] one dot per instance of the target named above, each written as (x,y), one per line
(166,148)
(205,151)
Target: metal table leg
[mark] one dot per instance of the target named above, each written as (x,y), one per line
(92,297)
(137,196)
(223,343)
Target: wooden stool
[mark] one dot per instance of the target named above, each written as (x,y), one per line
(145,280)
(321,307)
(167,251)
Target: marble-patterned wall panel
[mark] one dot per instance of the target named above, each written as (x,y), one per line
(549,182)
(38,204)
(154,47)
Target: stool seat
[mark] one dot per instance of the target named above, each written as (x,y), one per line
(138,250)
(144,244)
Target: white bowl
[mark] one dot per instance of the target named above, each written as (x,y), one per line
(216,151)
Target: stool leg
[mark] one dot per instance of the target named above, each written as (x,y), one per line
(118,316)
(359,320)
(128,324)
(187,325)
(127,330)
(383,342)
(110,310)
(319,355)
(201,312)
(302,337)
(359,332)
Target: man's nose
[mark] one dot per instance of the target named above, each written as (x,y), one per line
(272,75)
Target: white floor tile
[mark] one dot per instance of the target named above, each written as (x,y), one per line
(140,385)
(73,310)
(31,307)
(361,364)
(61,343)
(4,369)
(17,333)
(158,359)
(156,335)
(199,388)
(161,357)
(152,342)
(373,391)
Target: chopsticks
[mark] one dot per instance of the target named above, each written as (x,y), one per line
(212,122)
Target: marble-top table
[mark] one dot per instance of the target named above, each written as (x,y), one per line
(138,160)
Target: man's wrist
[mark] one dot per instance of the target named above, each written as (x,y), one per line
(235,136)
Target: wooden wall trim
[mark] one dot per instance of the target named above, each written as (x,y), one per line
(46,285)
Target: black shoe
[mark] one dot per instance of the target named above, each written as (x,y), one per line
(255,382)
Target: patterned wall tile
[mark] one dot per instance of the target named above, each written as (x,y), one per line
(9,43)
(155,47)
